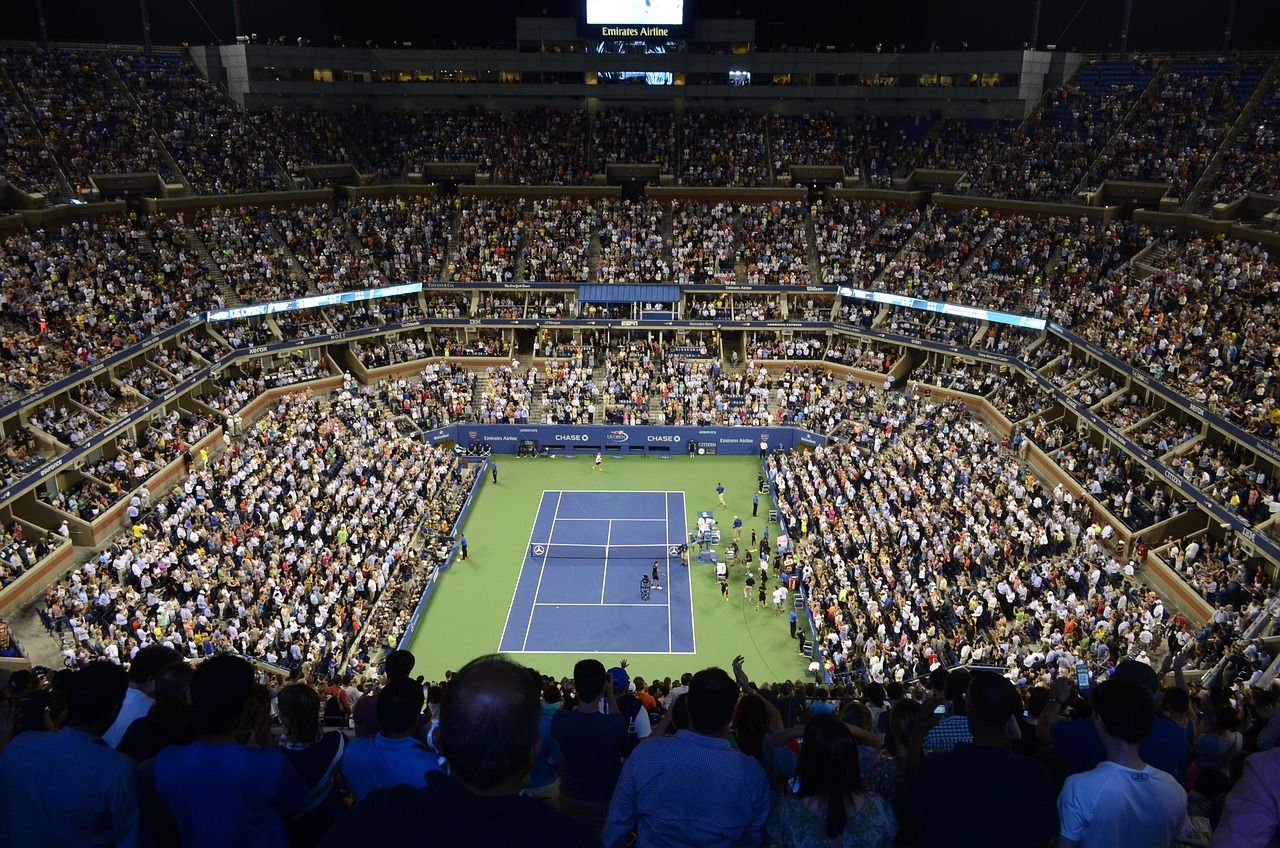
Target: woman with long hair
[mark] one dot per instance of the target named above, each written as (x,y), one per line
(317,757)
(830,807)
(757,728)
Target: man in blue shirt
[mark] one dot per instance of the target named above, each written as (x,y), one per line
(220,791)
(720,493)
(737,529)
(69,787)
(462,545)
(755,505)
(393,757)
(489,732)
(662,792)
(593,744)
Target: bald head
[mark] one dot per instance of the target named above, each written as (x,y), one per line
(489,721)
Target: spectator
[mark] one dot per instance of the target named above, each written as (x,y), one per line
(168,722)
(489,734)
(66,787)
(830,803)
(981,792)
(317,757)
(1251,814)
(544,779)
(144,668)
(1123,801)
(219,790)
(1164,746)
(393,757)
(593,743)
(662,793)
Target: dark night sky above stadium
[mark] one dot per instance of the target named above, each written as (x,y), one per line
(1090,25)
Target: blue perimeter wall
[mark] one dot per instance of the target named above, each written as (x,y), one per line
(505,438)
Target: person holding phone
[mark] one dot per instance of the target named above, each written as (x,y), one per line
(1165,745)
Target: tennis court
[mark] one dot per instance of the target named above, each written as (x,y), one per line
(580,586)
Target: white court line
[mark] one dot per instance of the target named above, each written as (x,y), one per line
(628,653)
(516,590)
(576,604)
(605,581)
(541,571)
(617,492)
(688,570)
(666,543)
(610,519)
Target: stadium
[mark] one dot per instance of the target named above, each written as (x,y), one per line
(640,422)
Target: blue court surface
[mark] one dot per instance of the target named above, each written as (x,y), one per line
(579,590)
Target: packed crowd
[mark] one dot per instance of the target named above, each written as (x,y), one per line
(632,243)
(212,144)
(703,239)
(1252,161)
(958,555)
(1204,321)
(277,549)
(774,243)
(723,149)
(605,758)
(1171,136)
(647,137)
(89,124)
(74,295)
(1049,157)
(403,238)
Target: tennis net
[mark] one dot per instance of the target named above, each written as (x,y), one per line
(568,550)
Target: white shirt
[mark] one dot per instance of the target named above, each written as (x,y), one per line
(136,705)
(1114,805)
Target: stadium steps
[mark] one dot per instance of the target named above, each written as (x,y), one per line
(593,255)
(446,267)
(201,250)
(1144,262)
(1033,117)
(739,266)
(1195,198)
(295,267)
(811,248)
(15,97)
(771,178)
(1092,177)
(123,89)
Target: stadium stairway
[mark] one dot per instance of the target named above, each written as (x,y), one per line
(122,89)
(1144,262)
(11,91)
(1196,198)
(211,269)
(446,267)
(811,246)
(1113,73)
(295,268)
(593,256)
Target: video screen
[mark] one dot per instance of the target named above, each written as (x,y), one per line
(635,12)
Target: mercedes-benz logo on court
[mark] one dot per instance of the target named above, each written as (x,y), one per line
(673,551)
(539,550)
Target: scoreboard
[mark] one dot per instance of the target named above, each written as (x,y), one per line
(634,19)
